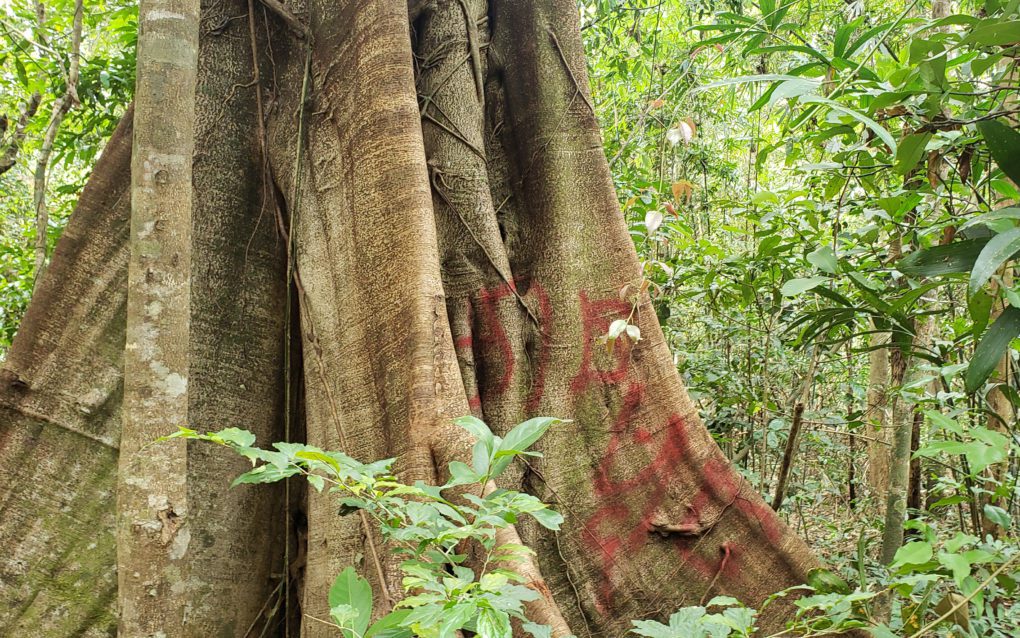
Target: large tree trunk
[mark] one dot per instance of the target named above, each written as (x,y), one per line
(458,248)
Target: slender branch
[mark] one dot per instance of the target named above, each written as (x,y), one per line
(17,137)
(60,108)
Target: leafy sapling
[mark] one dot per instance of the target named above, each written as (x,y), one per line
(432,533)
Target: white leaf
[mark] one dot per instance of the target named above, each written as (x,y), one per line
(617,328)
(687,131)
(653,219)
(634,332)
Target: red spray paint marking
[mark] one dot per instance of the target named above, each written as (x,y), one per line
(494,337)
(495,334)
(595,318)
(633,502)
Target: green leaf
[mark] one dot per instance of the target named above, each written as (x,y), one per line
(235,436)
(991,348)
(476,427)
(994,32)
(827,582)
(997,515)
(913,553)
(461,474)
(494,624)
(519,439)
(351,589)
(525,434)
(823,258)
(878,129)
(548,518)
(390,626)
(996,252)
(536,630)
(1004,144)
(795,287)
(910,151)
(986,219)
(979,307)
(762,197)
(19,68)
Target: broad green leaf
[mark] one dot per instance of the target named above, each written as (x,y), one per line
(997,515)
(1011,212)
(461,474)
(525,434)
(991,348)
(536,630)
(794,287)
(958,563)
(913,553)
(827,582)
(548,518)
(762,197)
(1004,144)
(979,307)
(390,626)
(351,589)
(476,427)
(493,624)
(996,252)
(823,258)
(235,436)
(910,151)
(994,32)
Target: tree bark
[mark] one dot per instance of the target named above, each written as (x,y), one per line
(458,248)
(788,454)
(877,416)
(60,396)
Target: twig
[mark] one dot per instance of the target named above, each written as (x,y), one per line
(282,12)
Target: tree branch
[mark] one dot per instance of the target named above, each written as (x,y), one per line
(61,106)
(17,137)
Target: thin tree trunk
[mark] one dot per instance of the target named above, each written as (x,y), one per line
(914,500)
(153,505)
(791,446)
(899,458)
(877,416)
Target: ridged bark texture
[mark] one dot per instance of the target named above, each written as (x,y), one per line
(460,249)
(60,395)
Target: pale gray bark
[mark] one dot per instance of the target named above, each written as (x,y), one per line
(153,518)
